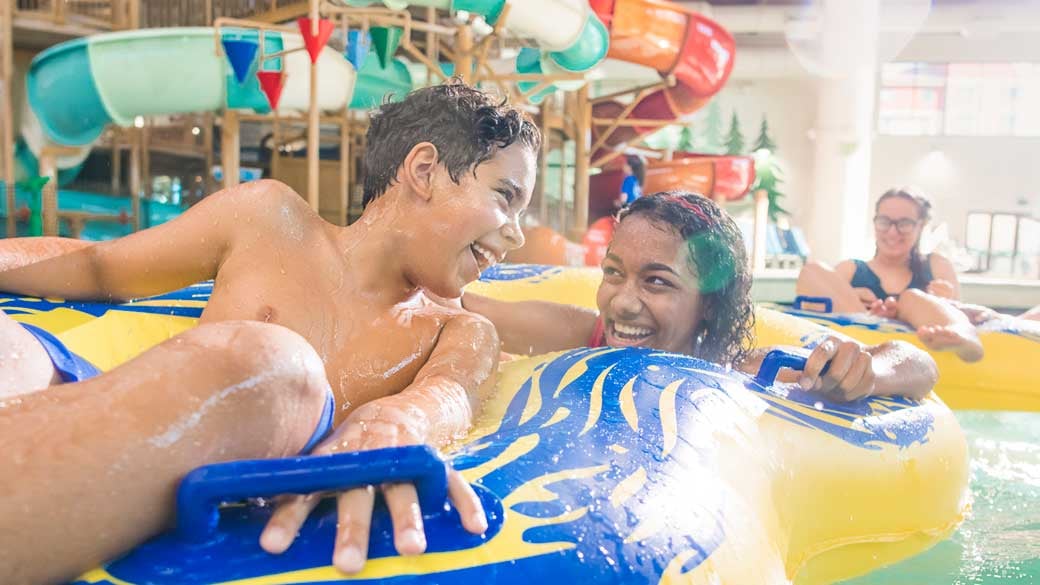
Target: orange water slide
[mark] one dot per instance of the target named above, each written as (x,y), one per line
(673,40)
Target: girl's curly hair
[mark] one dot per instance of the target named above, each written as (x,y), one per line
(719,258)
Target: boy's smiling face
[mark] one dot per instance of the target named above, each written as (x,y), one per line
(470,225)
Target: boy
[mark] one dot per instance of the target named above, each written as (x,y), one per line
(448,174)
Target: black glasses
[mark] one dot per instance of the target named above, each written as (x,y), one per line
(903,226)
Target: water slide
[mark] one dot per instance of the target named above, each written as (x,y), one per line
(575,41)
(76,88)
(698,53)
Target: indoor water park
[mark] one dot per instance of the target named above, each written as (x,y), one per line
(727,292)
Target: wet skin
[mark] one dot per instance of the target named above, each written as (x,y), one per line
(405,368)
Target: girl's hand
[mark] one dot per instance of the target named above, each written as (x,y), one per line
(851,373)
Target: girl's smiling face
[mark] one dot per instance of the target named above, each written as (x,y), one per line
(650,293)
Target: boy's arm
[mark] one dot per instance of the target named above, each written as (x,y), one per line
(448,390)
(18,252)
(178,253)
(534,327)
(436,408)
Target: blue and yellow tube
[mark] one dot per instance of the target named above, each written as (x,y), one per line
(609,465)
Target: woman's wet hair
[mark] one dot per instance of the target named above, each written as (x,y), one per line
(719,258)
(466,125)
(924,214)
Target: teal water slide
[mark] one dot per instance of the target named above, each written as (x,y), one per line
(569,35)
(75,89)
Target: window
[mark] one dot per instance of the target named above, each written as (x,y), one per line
(959,99)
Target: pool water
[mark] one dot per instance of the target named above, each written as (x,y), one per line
(1000,542)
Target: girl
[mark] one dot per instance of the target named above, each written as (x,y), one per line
(676,278)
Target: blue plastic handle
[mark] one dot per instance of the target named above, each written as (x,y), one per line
(828,304)
(780,358)
(204,489)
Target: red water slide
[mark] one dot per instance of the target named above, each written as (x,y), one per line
(698,53)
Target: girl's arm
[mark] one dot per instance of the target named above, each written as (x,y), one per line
(534,327)
(944,282)
(817,279)
(893,368)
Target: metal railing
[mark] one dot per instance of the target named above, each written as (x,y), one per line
(166,13)
(103,15)
(90,14)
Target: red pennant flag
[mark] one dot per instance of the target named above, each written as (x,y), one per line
(315,43)
(271,83)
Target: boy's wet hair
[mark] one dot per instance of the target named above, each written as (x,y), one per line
(466,125)
(719,258)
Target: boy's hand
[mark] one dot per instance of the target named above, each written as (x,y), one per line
(375,425)
(851,372)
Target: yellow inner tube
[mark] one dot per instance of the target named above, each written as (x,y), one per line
(717,481)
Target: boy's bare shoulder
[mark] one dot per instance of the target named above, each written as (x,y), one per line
(453,310)
(266,207)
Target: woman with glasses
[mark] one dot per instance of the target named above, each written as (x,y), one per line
(899,282)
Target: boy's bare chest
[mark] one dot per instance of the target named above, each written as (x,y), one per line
(369,350)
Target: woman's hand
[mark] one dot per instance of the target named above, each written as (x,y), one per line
(850,375)
(941,288)
(888,308)
(378,424)
(866,296)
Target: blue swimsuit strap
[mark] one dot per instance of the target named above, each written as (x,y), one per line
(70,366)
(324,423)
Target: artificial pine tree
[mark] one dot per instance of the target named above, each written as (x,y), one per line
(768,174)
(764,141)
(734,140)
(685,139)
(709,141)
